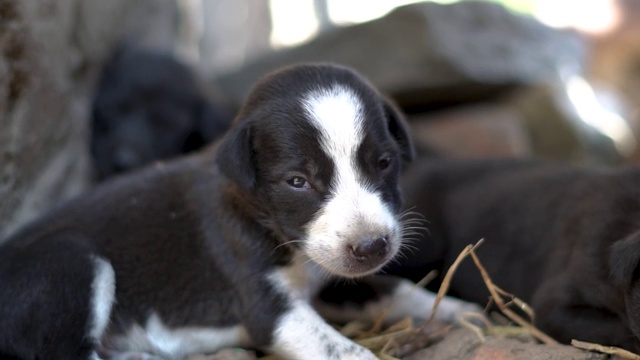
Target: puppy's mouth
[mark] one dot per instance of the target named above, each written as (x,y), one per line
(353,256)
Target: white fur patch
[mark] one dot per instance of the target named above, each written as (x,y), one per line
(157,338)
(353,211)
(338,114)
(407,300)
(302,334)
(302,280)
(103,291)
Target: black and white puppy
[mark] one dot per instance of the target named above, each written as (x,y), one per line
(227,246)
(149,106)
(564,238)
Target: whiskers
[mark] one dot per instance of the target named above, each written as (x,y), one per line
(413,227)
(286,243)
(324,272)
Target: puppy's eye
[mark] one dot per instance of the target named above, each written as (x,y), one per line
(384,162)
(298,182)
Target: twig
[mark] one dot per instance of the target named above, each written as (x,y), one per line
(377,325)
(611,350)
(473,327)
(446,282)
(518,302)
(378,342)
(494,290)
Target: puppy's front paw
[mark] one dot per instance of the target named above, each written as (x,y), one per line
(450,309)
(131,356)
(356,352)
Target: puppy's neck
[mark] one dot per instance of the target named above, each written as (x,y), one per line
(301,277)
(242,201)
(243,204)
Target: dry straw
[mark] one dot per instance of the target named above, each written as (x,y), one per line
(404,337)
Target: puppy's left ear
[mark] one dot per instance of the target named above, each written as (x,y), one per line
(624,260)
(235,157)
(399,129)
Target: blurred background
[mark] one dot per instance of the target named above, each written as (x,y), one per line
(558,79)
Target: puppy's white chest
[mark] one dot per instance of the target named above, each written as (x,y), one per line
(302,280)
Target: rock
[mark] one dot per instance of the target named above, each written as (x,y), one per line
(463,344)
(40,121)
(50,53)
(568,121)
(428,54)
(473,131)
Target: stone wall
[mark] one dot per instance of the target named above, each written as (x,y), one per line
(50,53)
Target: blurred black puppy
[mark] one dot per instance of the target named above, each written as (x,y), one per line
(565,239)
(148,106)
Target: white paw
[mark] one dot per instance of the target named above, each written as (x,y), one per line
(450,309)
(358,353)
(132,356)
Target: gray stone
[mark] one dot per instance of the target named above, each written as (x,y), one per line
(559,127)
(430,52)
(50,53)
(473,131)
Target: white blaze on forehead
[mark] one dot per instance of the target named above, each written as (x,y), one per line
(337,113)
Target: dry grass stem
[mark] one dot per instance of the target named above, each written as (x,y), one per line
(354,329)
(446,282)
(495,295)
(479,331)
(519,303)
(402,324)
(508,331)
(379,342)
(611,350)
(377,325)
(427,279)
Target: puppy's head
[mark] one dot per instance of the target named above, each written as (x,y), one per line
(319,151)
(148,106)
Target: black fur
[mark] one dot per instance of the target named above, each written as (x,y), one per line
(149,106)
(563,238)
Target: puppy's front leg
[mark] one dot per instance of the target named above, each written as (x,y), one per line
(367,298)
(301,333)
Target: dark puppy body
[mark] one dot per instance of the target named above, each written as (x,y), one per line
(149,106)
(565,239)
(224,247)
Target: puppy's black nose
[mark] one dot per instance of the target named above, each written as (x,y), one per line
(371,249)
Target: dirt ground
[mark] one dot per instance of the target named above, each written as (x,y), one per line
(463,344)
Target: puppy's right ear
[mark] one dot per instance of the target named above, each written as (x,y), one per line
(624,259)
(235,156)
(399,129)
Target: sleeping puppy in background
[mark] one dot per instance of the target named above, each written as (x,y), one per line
(565,239)
(148,106)
(228,246)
